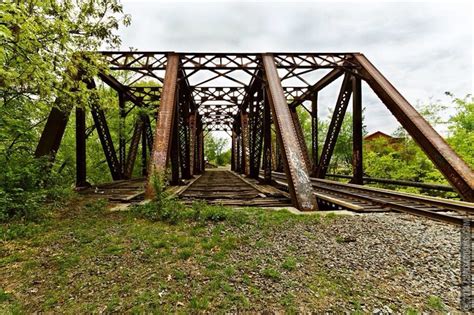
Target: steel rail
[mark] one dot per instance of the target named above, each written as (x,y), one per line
(390,199)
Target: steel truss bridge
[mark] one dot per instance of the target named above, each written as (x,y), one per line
(179,97)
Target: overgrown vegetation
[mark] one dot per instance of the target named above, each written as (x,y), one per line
(42,45)
(405,160)
(83,258)
(215,150)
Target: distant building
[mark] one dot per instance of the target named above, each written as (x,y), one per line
(393,141)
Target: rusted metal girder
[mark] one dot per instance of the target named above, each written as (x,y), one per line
(106,140)
(267,140)
(133,150)
(256,134)
(175,157)
(456,171)
(335,126)
(300,135)
(357,165)
(192,142)
(233,151)
(296,171)
(314,134)
(81,166)
(53,132)
(164,125)
(244,135)
(144,151)
(122,140)
(332,76)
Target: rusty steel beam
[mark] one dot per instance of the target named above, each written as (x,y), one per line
(296,171)
(133,150)
(267,140)
(106,140)
(122,142)
(335,126)
(244,134)
(144,151)
(53,133)
(300,135)
(332,76)
(357,165)
(314,133)
(456,171)
(175,157)
(81,172)
(192,142)
(164,126)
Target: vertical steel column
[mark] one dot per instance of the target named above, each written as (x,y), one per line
(192,143)
(202,164)
(175,147)
(233,148)
(81,168)
(300,136)
(133,150)
(296,171)
(456,171)
(256,130)
(122,141)
(144,151)
(164,125)
(106,140)
(357,166)
(278,158)
(267,140)
(183,130)
(335,126)
(314,133)
(238,155)
(244,134)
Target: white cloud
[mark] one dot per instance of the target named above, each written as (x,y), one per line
(423,48)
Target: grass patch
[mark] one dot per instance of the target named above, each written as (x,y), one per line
(289,264)
(161,257)
(271,273)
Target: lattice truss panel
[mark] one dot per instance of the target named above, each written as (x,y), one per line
(219,84)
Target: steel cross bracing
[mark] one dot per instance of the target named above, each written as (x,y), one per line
(175,99)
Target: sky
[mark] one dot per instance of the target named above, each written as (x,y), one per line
(423,48)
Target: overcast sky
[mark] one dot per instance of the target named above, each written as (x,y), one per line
(423,48)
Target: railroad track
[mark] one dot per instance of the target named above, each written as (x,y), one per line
(364,199)
(217,186)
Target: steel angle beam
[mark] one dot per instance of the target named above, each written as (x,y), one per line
(296,172)
(335,126)
(165,120)
(456,171)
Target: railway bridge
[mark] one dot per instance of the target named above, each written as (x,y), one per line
(173,99)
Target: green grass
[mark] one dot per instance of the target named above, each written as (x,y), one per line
(289,264)
(176,259)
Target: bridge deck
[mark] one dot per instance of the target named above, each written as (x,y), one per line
(218,186)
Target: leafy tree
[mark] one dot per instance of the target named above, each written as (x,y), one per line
(461,127)
(214,150)
(42,46)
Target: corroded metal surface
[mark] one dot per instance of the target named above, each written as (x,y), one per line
(296,170)
(224,91)
(165,120)
(456,171)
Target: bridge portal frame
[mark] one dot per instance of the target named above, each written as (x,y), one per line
(252,109)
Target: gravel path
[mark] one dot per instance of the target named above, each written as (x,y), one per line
(378,263)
